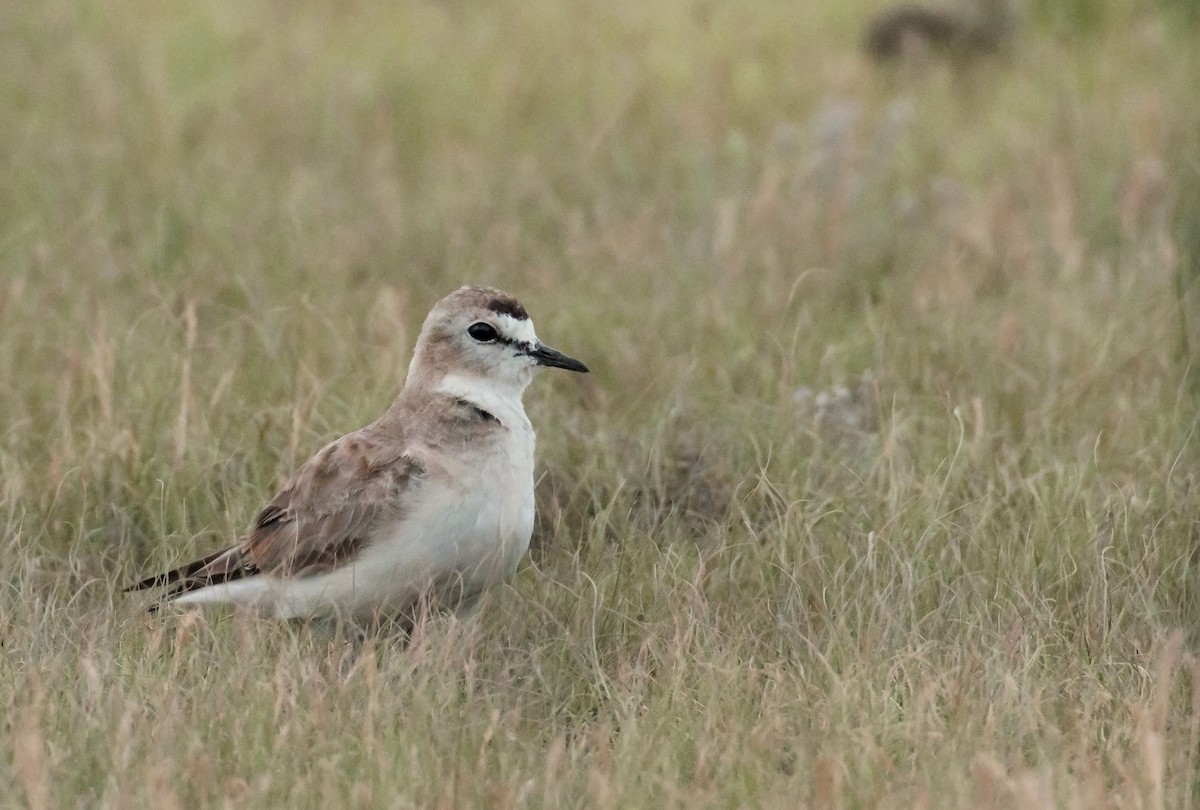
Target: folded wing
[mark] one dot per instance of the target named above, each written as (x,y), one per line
(322,518)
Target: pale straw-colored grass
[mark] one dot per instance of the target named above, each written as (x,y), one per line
(882,492)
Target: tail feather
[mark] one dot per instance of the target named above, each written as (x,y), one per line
(176,574)
(226,565)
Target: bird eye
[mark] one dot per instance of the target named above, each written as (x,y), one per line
(483,332)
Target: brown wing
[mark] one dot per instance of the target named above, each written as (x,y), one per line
(323,516)
(327,512)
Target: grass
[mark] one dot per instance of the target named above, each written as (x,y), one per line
(967,580)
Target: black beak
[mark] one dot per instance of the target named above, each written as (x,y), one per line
(545,356)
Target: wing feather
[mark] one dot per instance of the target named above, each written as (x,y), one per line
(330,509)
(324,516)
(327,513)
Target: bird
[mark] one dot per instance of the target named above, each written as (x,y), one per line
(423,509)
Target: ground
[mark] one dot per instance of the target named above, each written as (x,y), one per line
(883,489)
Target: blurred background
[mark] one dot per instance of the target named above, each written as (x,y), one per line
(627,155)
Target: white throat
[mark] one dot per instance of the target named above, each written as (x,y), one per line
(501,400)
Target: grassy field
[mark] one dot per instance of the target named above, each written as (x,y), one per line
(883,491)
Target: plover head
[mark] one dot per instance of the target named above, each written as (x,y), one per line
(485,334)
